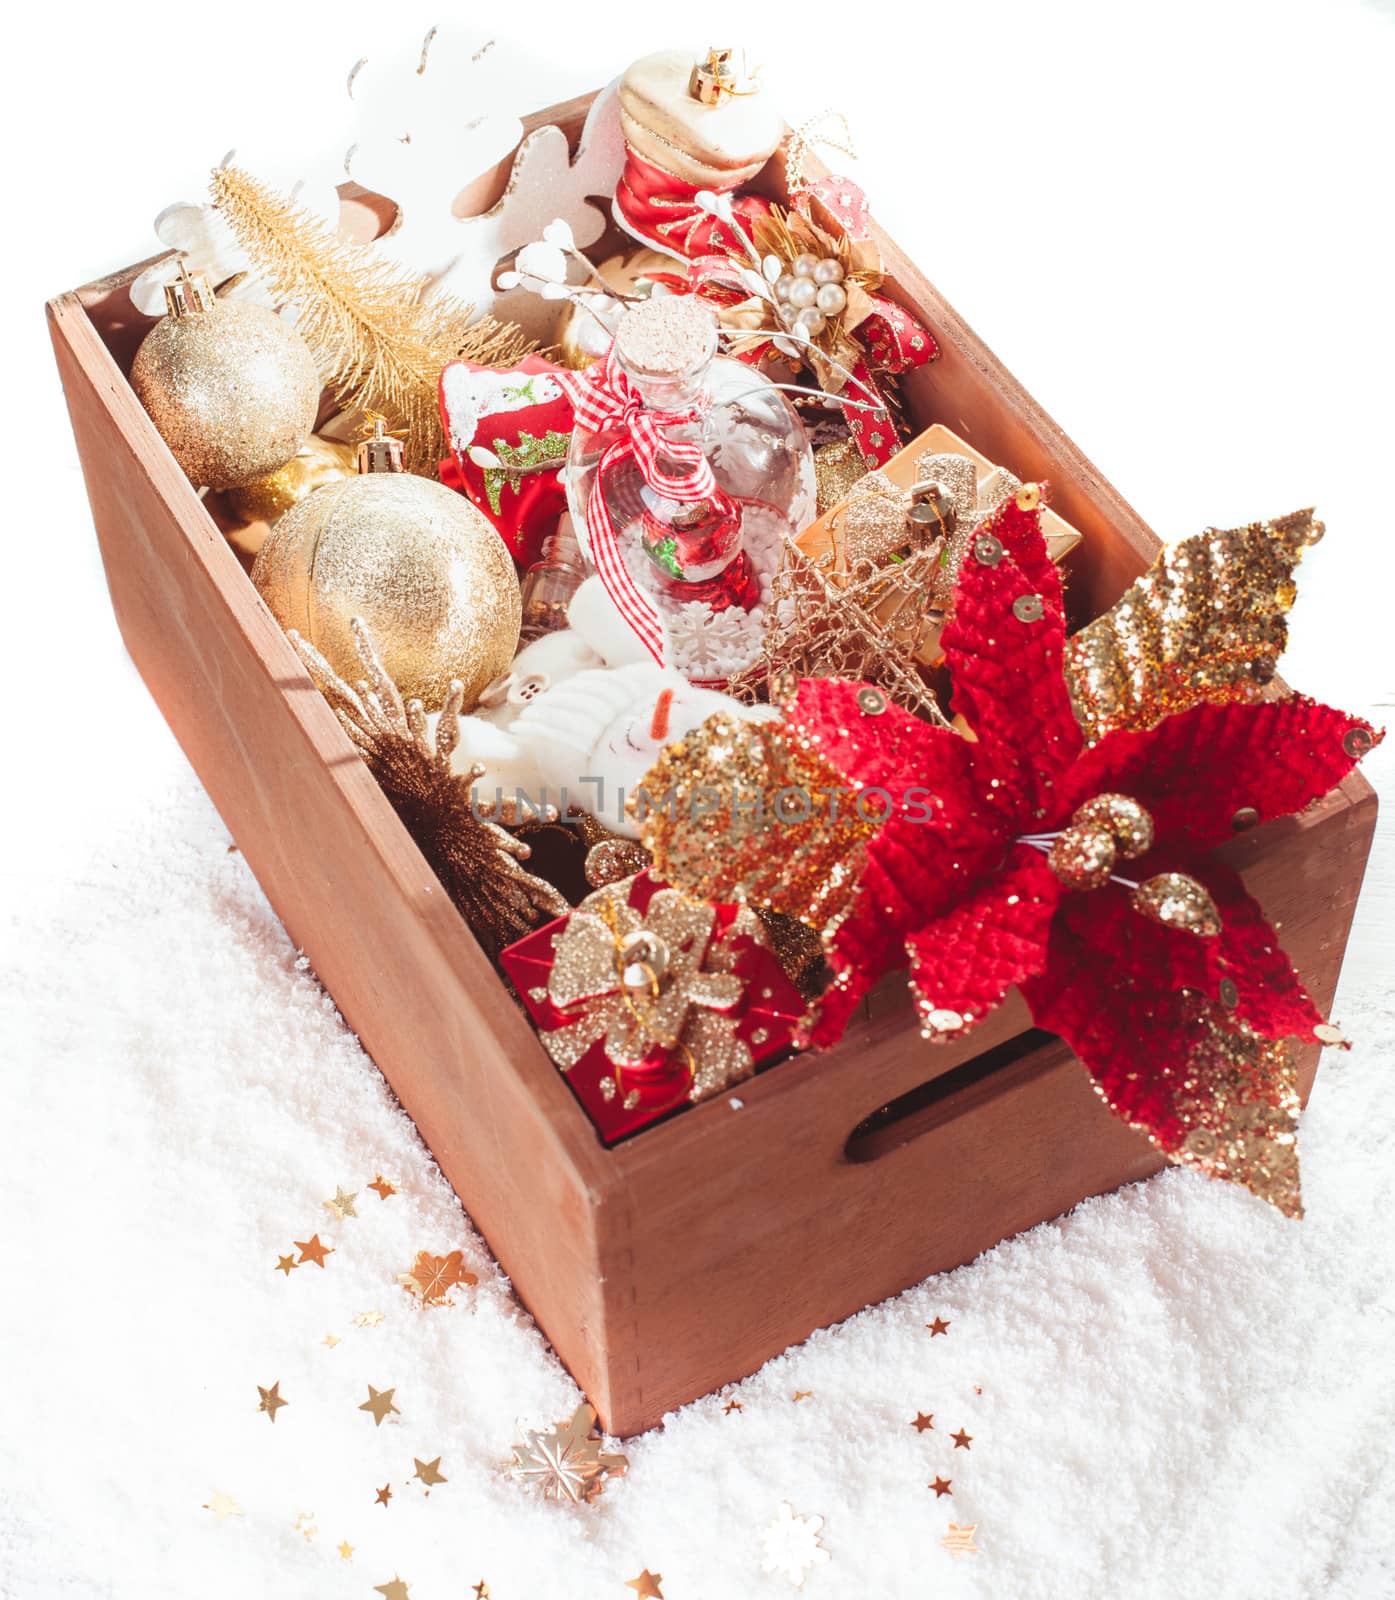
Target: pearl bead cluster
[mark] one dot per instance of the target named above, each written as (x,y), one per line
(810,293)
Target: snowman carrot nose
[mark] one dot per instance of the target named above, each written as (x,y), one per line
(658,728)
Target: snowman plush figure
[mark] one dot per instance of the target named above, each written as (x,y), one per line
(581,716)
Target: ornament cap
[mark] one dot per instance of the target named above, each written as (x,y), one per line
(380,452)
(190,294)
(716,75)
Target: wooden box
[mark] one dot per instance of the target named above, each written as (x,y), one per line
(682,1259)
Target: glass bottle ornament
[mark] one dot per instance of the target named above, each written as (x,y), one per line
(661,416)
(550,583)
(232,389)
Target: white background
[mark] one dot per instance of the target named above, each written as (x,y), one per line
(1174,224)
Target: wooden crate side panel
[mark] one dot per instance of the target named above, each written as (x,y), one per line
(337,866)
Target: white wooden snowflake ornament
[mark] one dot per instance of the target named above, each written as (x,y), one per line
(430,129)
(791,1547)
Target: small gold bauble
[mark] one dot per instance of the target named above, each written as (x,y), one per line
(318,462)
(232,389)
(430,577)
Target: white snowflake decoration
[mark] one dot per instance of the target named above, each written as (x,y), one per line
(791,1545)
(709,645)
(420,149)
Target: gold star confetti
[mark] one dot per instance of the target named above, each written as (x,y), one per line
(331,1341)
(286,1264)
(961,1439)
(346,1551)
(567,1463)
(379,1402)
(304,1525)
(367,1319)
(342,1204)
(941,1486)
(428,1471)
(381,1187)
(312,1250)
(646,1585)
(803,1394)
(733,1405)
(923,1421)
(481,1590)
(939,1325)
(396,1590)
(433,1277)
(224,1506)
(960,1541)
(384,1494)
(271,1399)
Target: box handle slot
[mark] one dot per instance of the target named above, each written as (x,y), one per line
(951,1094)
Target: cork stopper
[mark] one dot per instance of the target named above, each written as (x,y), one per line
(190,294)
(380,452)
(668,336)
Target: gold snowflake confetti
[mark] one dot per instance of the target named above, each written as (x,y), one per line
(567,1463)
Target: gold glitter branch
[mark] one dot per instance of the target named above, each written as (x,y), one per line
(1206,622)
(478,863)
(379,340)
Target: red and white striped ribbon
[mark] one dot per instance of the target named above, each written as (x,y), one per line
(604,400)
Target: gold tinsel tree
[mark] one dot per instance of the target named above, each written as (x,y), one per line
(379,338)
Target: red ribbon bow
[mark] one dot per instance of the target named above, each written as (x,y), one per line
(605,401)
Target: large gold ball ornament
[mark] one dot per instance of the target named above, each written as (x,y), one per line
(430,577)
(318,462)
(232,389)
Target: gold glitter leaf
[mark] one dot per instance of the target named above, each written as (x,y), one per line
(1206,622)
(746,811)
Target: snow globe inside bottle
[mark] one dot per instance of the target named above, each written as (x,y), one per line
(706,565)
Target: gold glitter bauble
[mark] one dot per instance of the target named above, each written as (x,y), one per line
(317,462)
(233,391)
(1178,901)
(429,576)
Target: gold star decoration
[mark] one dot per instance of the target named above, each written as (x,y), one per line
(941,1486)
(286,1264)
(271,1399)
(646,1585)
(346,1551)
(379,1402)
(304,1525)
(481,1590)
(381,1187)
(960,1541)
(331,1340)
(224,1506)
(566,1462)
(428,1471)
(939,1325)
(803,1394)
(961,1439)
(367,1319)
(433,1277)
(384,1494)
(396,1590)
(923,1421)
(312,1250)
(733,1405)
(342,1204)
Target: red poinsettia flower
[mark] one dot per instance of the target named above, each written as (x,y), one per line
(969,877)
